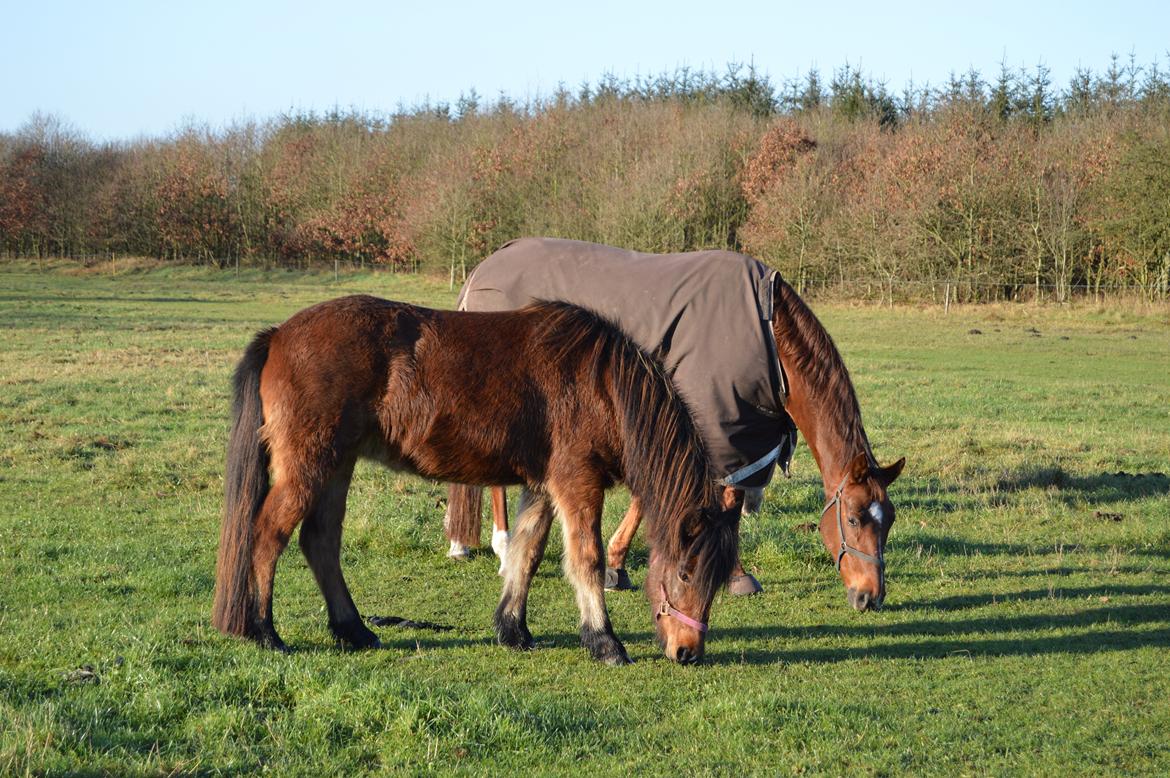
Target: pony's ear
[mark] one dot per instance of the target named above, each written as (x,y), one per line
(859,468)
(889,473)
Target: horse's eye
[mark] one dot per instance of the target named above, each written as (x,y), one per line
(853,522)
(682,576)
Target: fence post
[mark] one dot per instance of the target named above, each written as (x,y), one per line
(947,302)
(335,261)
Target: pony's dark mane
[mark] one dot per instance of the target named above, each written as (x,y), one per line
(809,350)
(665,460)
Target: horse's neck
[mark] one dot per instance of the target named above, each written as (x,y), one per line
(830,448)
(820,401)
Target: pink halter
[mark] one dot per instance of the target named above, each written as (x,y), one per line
(669,610)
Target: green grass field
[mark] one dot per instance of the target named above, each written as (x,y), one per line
(1026,630)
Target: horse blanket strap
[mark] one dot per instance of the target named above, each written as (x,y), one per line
(706,314)
(669,610)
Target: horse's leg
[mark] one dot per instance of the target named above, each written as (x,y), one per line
(286,505)
(321,543)
(525,550)
(616,577)
(741,583)
(580,508)
(463,519)
(500,524)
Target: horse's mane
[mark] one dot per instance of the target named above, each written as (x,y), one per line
(805,346)
(664,459)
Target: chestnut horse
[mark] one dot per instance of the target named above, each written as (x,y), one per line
(858,514)
(551,397)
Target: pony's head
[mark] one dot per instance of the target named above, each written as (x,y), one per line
(682,581)
(854,526)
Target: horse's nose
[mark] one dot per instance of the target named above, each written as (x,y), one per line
(686,656)
(862,600)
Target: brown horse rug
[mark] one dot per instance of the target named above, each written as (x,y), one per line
(708,315)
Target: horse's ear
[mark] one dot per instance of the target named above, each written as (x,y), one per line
(859,468)
(889,473)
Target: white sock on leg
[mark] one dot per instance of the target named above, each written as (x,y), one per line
(500,546)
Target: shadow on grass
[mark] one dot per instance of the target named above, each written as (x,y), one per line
(962,602)
(1127,627)
(947,546)
(1096,489)
(1072,490)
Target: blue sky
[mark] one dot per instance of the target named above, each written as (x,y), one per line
(124,69)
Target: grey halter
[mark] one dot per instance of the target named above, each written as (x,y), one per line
(878,560)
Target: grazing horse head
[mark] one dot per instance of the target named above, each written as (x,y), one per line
(681,587)
(854,526)
(858,513)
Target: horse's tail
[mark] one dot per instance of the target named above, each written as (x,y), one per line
(245,487)
(464,514)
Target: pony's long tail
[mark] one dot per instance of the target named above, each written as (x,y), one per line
(245,487)
(464,514)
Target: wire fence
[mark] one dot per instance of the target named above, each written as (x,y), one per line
(940,291)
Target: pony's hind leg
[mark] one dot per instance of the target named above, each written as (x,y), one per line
(616,578)
(500,525)
(525,550)
(462,521)
(585,567)
(286,505)
(321,544)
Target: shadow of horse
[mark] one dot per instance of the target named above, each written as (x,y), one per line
(1127,627)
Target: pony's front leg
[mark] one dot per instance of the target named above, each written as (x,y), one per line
(525,550)
(585,568)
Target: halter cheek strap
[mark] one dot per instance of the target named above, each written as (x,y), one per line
(669,610)
(845,548)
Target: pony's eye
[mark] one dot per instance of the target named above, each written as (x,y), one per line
(682,576)
(853,522)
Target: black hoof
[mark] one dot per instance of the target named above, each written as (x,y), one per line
(744,585)
(513,633)
(353,636)
(617,580)
(264,635)
(605,647)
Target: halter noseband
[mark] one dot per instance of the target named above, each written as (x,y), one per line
(669,610)
(878,560)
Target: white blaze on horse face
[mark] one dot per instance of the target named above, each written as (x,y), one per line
(875,510)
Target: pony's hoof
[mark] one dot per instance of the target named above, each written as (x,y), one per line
(265,637)
(458,551)
(355,637)
(744,585)
(512,633)
(618,659)
(617,580)
(605,647)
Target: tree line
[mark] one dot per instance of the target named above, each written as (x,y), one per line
(1007,186)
